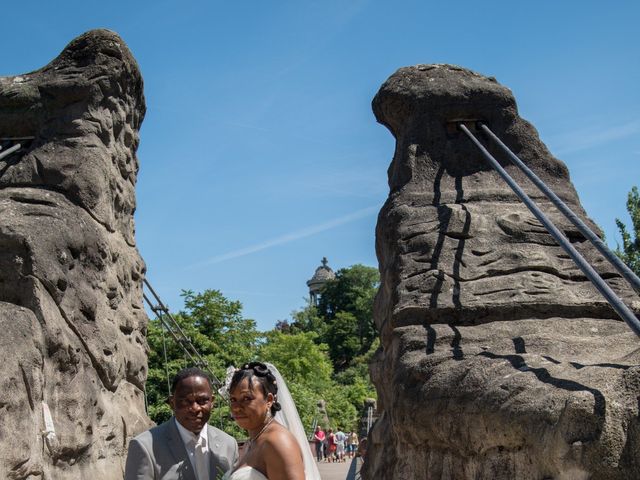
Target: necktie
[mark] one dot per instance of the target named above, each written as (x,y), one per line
(200,460)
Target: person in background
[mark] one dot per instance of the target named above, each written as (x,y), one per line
(362,449)
(352,439)
(331,446)
(340,438)
(325,446)
(318,439)
(348,444)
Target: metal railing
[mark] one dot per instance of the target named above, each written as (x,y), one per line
(616,303)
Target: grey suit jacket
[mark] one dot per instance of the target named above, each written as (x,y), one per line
(160,454)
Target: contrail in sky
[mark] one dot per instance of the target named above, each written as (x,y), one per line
(290,237)
(590,137)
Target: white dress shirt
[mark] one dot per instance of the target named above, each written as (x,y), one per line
(190,440)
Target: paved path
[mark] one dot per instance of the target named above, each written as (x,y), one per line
(337,471)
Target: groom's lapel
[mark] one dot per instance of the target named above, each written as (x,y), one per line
(214,450)
(217,458)
(179,452)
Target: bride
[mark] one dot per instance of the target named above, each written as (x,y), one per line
(277,448)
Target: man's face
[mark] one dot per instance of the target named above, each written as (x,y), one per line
(191,403)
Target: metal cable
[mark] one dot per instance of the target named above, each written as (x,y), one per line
(158,312)
(10,150)
(624,270)
(166,361)
(621,309)
(183,341)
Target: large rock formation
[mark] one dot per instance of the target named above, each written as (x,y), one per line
(70,275)
(499,360)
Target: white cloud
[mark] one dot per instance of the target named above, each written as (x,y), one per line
(290,237)
(592,137)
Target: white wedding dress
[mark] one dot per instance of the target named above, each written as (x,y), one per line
(244,473)
(288,417)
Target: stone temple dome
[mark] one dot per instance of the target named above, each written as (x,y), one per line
(322,275)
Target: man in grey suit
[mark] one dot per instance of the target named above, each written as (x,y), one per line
(184,447)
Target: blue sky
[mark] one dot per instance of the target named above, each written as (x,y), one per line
(259,152)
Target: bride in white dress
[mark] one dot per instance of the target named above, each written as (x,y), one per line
(277,448)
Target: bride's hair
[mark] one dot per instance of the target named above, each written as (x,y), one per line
(264,378)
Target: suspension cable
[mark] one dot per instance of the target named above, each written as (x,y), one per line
(163,314)
(166,361)
(621,309)
(160,315)
(10,150)
(624,270)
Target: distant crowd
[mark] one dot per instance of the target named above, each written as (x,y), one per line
(335,447)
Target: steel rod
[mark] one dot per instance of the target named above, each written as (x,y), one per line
(184,339)
(167,326)
(624,270)
(9,151)
(166,311)
(621,309)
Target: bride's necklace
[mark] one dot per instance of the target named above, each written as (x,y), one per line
(251,441)
(240,461)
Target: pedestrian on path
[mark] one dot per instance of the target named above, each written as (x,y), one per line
(351,444)
(319,439)
(331,444)
(340,438)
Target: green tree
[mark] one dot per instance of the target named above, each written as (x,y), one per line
(346,305)
(343,321)
(306,400)
(221,330)
(307,320)
(305,351)
(298,358)
(341,412)
(343,338)
(305,366)
(216,328)
(356,381)
(630,252)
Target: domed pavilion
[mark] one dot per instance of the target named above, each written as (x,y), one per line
(320,278)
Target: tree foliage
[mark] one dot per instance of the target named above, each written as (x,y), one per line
(216,328)
(309,320)
(630,252)
(343,336)
(304,361)
(304,364)
(307,351)
(346,311)
(343,321)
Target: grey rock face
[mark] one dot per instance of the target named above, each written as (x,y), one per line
(499,360)
(70,275)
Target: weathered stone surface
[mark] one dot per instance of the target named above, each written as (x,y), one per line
(499,360)
(70,275)
(89,100)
